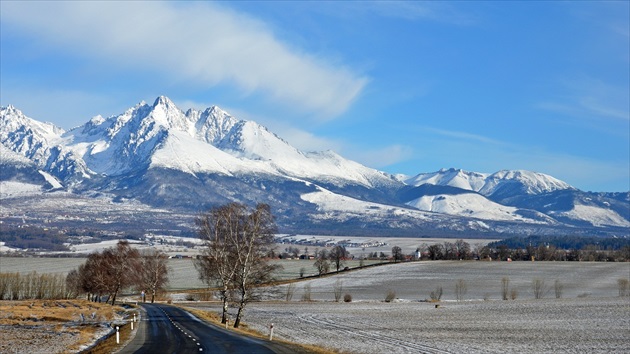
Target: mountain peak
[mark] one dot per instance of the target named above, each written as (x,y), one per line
(163,100)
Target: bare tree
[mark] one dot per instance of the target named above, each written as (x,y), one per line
(505,286)
(436,295)
(397,254)
(321,264)
(73,284)
(558,287)
(153,272)
(390,296)
(306,295)
(109,272)
(449,251)
(237,242)
(251,246)
(338,289)
(435,252)
(337,255)
(463,249)
(122,264)
(623,285)
(460,289)
(217,264)
(94,276)
(290,291)
(538,288)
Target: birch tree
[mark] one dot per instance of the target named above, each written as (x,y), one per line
(153,272)
(217,265)
(251,247)
(237,242)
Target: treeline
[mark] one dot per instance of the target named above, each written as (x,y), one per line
(528,249)
(33,238)
(564,242)
(103,276)
(16,286)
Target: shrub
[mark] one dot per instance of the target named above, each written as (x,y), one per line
(347,298)
(460,289)
(390,296)
(306,296)
(290,290)
(337,289)
(505,284)
(623,285)
(538,288)
(558,287)
(436,294)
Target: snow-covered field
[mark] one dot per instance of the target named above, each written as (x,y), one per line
(578,325)
(589,317)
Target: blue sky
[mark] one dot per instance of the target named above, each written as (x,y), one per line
(404,87)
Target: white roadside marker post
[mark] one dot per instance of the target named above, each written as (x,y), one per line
(117,336)
(271,332)
(132,325)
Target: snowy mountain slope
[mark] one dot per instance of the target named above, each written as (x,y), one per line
(594,215)
(41,143)
(506,184)
(179,151)
(473,205)
(451,177)
(161,156)
(16,168)
(502,183)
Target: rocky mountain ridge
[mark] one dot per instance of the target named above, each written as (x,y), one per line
(163,157)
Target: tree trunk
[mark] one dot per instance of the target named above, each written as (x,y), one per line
(241,307)
(237,322)
(224,298)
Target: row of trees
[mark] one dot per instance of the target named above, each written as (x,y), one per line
(237,241)
(109,272)
(461,250)
(16,286)
(336,256)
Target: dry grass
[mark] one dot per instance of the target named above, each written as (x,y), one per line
(53,325)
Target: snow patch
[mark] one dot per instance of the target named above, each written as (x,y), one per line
(596,216)
(13,189)
(54,182)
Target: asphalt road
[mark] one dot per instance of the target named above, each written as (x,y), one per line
(169,329)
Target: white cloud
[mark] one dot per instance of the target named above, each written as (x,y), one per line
(380,157)
(198,42)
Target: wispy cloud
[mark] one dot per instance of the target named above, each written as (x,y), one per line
(435,11)
(591,98)
(380,157)
(421,10)
(459,135)
(447,148)
(198,42)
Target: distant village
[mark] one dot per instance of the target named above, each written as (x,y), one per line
(318,242)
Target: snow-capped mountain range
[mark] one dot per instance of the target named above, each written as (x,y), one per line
(186,161)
